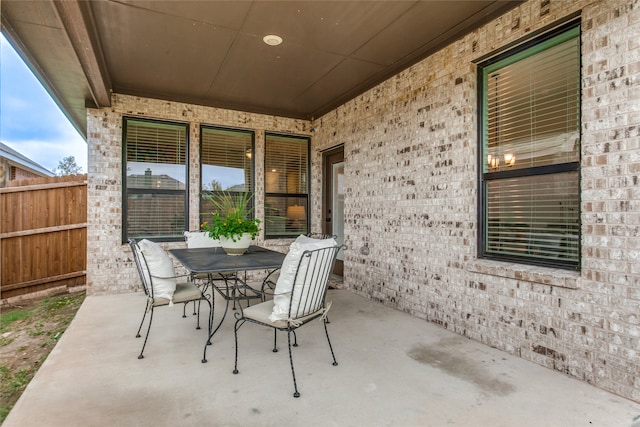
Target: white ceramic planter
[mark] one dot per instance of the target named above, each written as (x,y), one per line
(238,247)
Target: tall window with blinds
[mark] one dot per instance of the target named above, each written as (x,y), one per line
(286,185)
(226,165)
(155,177)
(530,152)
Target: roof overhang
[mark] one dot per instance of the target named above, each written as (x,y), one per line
(212,52)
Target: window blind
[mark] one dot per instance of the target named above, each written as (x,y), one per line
(531,153)
(156,155)
(533,107)
(155,176)
(534,216)
(226,159)
(156,216)
(286,185)
(286,163)
(226,164)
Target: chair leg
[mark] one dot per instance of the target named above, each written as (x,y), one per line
(275,340)
(144,344)
(293,372)
(326,331)
(237,325)
(184,309)
(146,308)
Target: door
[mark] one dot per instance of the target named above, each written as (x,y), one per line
(333,203)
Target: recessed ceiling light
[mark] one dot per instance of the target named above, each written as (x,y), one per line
(272,39)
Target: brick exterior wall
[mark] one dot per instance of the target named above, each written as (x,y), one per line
(411,198)
(110,267)
(411,202)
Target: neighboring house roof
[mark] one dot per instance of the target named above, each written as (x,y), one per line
(16,159)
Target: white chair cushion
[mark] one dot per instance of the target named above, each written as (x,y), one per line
(160,268)
(262,313)
(200,239)
(186,291)
(284,285)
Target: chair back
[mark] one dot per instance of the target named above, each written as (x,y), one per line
(142,267)
(200,239)
(311,281)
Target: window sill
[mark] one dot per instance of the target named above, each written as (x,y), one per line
(527,273)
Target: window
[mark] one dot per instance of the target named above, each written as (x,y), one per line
(530,152)
(155,176)
(226,164)
(286,186)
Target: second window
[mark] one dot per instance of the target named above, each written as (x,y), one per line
(286,185)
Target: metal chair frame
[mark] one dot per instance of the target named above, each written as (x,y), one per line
(319,265)
(151,303)
(270,280)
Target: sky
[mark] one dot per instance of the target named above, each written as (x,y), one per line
(30,121)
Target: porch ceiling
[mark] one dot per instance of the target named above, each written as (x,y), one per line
(212,53)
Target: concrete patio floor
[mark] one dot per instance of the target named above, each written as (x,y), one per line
(394,370)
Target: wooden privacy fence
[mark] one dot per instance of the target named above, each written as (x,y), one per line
(43,235)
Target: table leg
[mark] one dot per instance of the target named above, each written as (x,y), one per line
(227,297)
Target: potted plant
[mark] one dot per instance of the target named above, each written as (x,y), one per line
(232,223)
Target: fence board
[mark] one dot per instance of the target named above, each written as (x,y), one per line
(43,235)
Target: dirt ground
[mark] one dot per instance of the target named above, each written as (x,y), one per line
(28,333)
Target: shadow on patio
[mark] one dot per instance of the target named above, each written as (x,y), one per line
(394,370)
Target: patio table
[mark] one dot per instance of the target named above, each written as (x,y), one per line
(214,261)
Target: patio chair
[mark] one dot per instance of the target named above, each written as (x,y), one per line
(159,283)
(269,282)
(299,296)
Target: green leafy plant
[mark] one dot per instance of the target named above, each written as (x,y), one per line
(232,216)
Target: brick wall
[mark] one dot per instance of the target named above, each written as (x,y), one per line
(411,202)
(411,198)
(110,267)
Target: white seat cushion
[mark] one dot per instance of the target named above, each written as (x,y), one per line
(262,313)
(160,269)
(284,285)
(186,291)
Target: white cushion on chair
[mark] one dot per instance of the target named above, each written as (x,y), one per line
(284,285)
(200,239)
(160,269)
(262,313)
